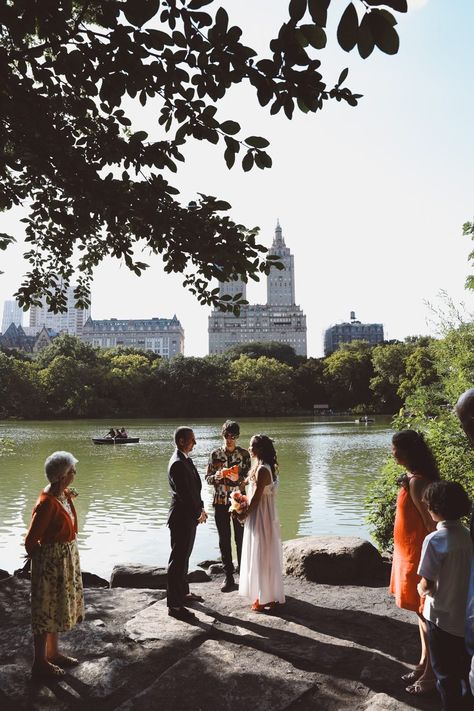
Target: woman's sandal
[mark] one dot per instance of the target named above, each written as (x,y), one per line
(62,660)
(256,607)
(48,671)
(413,675)
(421,687)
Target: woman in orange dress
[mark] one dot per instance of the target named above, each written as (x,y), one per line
(412,524)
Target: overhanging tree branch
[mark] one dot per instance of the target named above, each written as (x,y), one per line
(69,151)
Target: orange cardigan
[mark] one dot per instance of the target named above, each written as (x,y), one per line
(50,522)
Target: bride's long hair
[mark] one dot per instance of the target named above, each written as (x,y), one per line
(265,452)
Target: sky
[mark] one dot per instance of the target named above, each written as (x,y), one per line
(371,199)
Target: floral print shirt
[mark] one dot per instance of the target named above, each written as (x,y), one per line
(220,458)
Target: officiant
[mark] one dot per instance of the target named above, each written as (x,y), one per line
(227,470)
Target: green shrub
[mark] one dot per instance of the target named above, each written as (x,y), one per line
(380,504)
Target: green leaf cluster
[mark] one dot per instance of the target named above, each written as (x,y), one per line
(96,183)
(375,29)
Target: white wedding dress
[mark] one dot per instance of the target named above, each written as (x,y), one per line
(261,564)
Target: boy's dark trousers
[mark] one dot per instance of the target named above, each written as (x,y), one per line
(223,525)
(451,664)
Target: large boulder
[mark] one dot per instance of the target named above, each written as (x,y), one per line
(207,563)
(216,569)
(24,572)
(134,575)
(198,576)
(332,559)
(90,580)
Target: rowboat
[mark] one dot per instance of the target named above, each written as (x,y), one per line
(116,440)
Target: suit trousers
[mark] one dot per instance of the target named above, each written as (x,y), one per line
(182,535)
(224,521)
(451,663)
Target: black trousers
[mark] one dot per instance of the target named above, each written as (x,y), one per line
(182,542)
(451,664)
(224,521)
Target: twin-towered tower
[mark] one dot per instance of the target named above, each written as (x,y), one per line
(280,319)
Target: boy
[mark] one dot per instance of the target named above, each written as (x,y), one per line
(445,566)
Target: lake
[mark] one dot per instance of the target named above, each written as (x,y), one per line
(325,466)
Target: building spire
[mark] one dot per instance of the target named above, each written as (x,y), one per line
(278,240)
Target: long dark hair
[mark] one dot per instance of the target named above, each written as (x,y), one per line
(263,447)
(416,454)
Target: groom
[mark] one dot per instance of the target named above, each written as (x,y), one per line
(186,511)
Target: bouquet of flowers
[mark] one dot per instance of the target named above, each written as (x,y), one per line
(238,503)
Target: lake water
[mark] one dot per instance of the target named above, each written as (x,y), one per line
(325,467)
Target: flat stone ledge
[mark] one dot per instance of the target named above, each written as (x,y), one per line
(330,648)
(103,676)
(154,625)
(223,676)
(332,559)
(383,702)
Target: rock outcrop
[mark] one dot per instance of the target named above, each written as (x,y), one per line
(135,575)
(328,648)
(332,559)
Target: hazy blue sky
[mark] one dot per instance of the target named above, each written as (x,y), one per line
(371,199)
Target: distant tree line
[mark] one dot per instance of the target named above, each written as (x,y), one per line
(72,379)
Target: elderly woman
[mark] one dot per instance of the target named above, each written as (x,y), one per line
(57,601)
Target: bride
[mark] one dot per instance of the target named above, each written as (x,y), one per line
(261,577)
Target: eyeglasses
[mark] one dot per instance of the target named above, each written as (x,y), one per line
(230,436)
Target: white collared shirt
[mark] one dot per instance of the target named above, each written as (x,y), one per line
(446,558)
(183,453)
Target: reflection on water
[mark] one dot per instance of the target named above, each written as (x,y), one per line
(124,496)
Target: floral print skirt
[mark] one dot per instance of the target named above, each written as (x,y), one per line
(57,599)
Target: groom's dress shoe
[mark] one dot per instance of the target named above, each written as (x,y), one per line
(181,613)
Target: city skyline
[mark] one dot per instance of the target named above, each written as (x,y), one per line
(372,199)
(70,321)
(11,314)
(279,319)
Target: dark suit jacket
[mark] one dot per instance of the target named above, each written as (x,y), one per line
(185,484)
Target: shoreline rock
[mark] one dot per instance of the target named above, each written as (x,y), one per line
(333,560)
(135,575)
